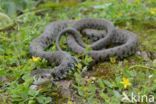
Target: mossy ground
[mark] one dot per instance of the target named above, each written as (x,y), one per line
(96,86)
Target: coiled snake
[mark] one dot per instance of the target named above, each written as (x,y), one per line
(107,41)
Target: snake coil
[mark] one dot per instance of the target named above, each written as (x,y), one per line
(107,41)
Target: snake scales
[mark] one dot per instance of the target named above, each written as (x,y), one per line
(107,41)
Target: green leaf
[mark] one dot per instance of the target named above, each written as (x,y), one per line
(2,72)
(101,83)
(44,100)
(117,94)
(33,93)
(107,83)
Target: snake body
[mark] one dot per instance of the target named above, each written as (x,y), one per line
(126,41)
(102,33)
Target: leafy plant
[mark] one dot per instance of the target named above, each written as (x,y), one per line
(14,7)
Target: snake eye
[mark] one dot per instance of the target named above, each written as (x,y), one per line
(42,76)
(62,72)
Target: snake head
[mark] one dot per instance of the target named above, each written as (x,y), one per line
(66,64)
(41,76)
(70,61)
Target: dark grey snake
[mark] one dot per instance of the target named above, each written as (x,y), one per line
(107,41)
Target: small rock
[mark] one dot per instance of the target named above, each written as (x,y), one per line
(65,88)
(3,79)
(145,55)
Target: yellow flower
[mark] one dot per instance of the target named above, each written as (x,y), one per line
(35,59)
(125,82)
(153,11)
